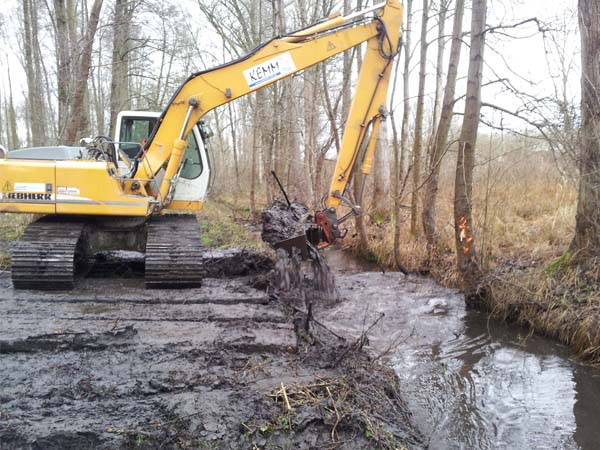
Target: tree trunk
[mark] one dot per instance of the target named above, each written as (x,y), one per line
(267,131)
(255,154)
(33,72)
(11,119)
(438,148)
(119,84)
(400,145)
(418,144)
(463,220)
(3,141)
(236,166)
(97,90)
(77,120)
(439,72)
(63,63)
(310,78)
(293,168)
(357,181)
(586,241)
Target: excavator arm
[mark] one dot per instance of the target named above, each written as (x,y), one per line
(378,26)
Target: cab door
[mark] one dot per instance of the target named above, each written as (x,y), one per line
(194,177)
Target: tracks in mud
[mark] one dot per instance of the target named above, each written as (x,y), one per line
(114,366)
(108,371)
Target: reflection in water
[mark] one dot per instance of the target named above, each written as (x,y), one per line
(587,407)
(472,383)
(490,389)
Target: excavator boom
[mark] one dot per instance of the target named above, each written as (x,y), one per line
(280,58)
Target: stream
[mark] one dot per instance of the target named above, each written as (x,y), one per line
(470,382)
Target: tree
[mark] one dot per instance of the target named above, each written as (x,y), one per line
(64,37)
(400,146)
(77,122)
(11,118)
(439,65)
(119,84)
(463,188)
(33,72)
(438,147)
(586,241)
(418,143)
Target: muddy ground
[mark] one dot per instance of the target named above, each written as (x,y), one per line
(111,365)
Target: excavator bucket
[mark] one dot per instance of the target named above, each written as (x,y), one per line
(291,228)
(294,244)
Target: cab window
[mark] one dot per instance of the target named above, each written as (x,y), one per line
(192,163)
(134,130)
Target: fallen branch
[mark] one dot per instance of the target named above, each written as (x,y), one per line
(309,314)
(358,343)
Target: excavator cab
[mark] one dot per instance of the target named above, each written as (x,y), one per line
(195,177)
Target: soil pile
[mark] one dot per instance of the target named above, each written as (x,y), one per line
(281,222)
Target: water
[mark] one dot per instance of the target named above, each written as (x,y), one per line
(489,386)
(471,383)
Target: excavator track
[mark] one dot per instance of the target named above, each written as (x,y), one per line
(45,257)
(173,252)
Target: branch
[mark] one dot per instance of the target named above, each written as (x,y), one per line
(537,125)
(541,29)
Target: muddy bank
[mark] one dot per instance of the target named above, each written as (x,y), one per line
(112,365)
(554,299)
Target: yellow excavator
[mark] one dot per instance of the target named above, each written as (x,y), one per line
(114,194)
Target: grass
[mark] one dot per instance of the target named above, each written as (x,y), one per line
(524,216)
(221,226)
(224,226)
(11,227)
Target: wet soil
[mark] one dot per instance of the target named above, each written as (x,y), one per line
(281,221)
(112,365)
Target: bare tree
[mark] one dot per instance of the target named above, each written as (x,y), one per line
(418,143)
(439,69)
(2,124)
(64,16)
(11,118)
(76,123)
(33,72)
(119,84)
(400,146)
(465,161)
(439,145)
(586,241)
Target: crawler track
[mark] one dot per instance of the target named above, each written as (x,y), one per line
(173,252)
(45,257)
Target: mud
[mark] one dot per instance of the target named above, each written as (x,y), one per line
(112,365)
(231,262)
(281,222)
